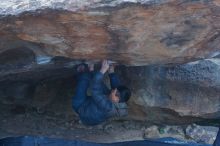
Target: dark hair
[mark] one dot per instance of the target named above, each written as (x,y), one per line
(124,93)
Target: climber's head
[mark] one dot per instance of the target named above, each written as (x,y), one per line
(121,94)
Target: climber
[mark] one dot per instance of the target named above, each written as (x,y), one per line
(103,103)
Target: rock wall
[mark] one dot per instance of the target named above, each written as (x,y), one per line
(129,33)
(170,49)
(180,94)
(171,93)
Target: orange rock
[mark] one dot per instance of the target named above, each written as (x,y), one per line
(173,32)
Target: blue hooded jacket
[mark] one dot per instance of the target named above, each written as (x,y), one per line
(98,107)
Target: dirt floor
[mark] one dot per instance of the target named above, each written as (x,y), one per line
(58,121)
(18,120)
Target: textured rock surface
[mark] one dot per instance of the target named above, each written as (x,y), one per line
(200,134)
(39,48)
(132,34)
(15,7)
(183,89)
(162,95)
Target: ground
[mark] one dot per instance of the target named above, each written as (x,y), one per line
(58,120)
(61,123)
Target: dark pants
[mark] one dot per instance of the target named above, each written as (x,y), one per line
(83,81)
(80,96)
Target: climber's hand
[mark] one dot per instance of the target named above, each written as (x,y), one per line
(111,68)
(91,67)
(105,66)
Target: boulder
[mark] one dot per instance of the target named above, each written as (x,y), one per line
(137,33)
(168,94)
(167,51)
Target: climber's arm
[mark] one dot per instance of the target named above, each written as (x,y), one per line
(114,79)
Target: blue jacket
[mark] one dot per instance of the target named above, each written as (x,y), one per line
(98,108)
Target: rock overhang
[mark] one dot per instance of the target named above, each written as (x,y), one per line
(135,34)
